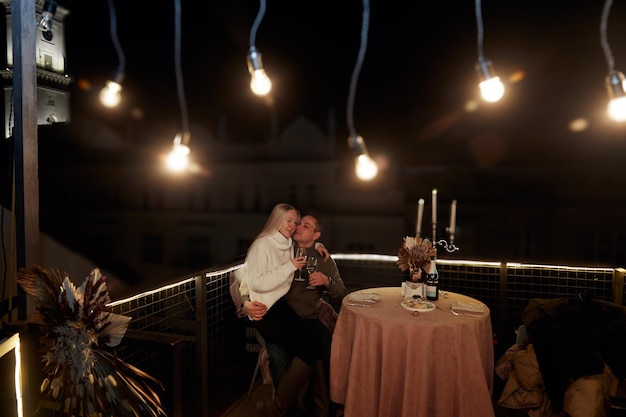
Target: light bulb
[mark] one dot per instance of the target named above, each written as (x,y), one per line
(492,89)
(617,109)
(110,95)
(616,87)
(366,168)
(45,20)
(178,158)
(260,83)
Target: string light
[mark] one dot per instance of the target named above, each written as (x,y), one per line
(110,95)
(260,83)
(178,158)
(47,15)
(366,168)
(615,81)
(491,88)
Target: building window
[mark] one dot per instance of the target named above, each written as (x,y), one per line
(152,249)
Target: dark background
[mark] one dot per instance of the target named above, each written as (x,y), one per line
(417,76)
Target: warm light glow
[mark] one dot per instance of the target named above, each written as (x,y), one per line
(578,125)
(471,106)
(13,343)
(492,89)
(18,377)
(617,109)
(110,95)
(366,168)
(178,158)
(260,83)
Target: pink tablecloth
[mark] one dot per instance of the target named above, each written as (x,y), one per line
(385,362)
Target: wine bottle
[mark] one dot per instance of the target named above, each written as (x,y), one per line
(432,281)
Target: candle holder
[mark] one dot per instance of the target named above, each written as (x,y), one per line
(449,247)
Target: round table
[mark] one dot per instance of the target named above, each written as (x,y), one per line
(387,362)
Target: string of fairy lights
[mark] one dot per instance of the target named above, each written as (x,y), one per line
(491,87)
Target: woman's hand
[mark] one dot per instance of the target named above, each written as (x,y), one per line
(254,309)
(299,262)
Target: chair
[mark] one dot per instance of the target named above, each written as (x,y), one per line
(263,364)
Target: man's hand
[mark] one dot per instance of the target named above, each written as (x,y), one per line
(254,309)
(318,279)
(321,249)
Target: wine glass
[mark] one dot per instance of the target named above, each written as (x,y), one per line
(300,252)
(311,266)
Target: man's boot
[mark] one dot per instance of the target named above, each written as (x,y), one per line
(320,393)
(292,381)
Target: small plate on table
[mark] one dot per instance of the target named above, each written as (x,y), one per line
(415,305)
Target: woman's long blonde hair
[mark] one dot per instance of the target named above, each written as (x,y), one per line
(277,216)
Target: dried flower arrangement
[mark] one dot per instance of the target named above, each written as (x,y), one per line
(82,378)
(414,255)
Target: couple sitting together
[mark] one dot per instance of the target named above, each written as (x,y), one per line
(288,315)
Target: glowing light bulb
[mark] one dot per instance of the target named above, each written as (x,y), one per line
(178,158)
(616,86)
(366,168)
(110,95)
(617,109)
(260,83)
(492,89)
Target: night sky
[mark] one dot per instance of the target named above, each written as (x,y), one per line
(417,76)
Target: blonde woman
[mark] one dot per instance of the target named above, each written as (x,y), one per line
(270,266)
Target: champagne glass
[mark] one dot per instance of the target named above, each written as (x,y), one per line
(300,252)
(311,266)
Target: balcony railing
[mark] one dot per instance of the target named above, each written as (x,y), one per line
(186,333)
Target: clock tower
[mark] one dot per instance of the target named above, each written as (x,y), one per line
(53,100)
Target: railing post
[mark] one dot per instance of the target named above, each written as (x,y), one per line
(202,351)
(618,285)
(504,279)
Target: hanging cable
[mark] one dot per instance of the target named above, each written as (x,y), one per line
(180,87)
(615,80)
(260,83)
(366,168)
(178,158)
(491,88)
(110,95)
(357,67)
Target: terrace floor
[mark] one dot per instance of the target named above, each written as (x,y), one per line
(246,406)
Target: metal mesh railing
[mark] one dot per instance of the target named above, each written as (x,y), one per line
(199,314)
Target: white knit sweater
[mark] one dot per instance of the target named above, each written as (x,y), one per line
(269,270)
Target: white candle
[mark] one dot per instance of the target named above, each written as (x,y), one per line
(420,213)
(434,205)
(452,217)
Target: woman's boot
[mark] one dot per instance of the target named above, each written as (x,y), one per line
(292,381)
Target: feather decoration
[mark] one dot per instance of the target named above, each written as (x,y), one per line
(82,378)
(415,254)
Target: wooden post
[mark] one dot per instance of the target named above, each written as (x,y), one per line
(25,137)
